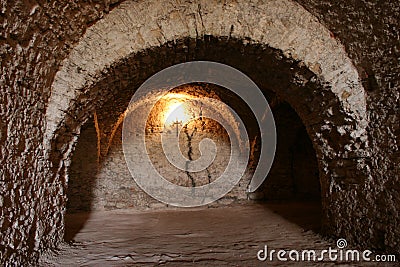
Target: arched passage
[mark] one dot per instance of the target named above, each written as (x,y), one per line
(295,58)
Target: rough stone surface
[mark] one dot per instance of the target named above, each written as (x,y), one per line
(35,38)
(108,184)
(41,112)
(371,37)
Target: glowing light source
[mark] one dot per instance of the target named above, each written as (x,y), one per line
(176,110)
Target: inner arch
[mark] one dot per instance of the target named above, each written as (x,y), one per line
(296,59)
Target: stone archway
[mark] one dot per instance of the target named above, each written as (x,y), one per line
(282,25)
(313,72)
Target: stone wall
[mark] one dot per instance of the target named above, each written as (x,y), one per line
(361,192)
(34,39)
(104,182)
(369,31)
(109,185)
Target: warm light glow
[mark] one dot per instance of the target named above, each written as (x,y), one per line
(176,110)
(176,113)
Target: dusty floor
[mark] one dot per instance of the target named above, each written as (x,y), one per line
(225,236)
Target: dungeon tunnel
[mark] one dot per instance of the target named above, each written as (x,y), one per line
(311,86)
(324,169)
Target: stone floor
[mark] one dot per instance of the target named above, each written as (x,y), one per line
(224,236)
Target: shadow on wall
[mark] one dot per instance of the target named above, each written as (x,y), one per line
(292,187)
(294,173)
(82,179)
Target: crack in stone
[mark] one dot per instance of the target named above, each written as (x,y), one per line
(208,175)
(203,124)
(200,15)
(190,152)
